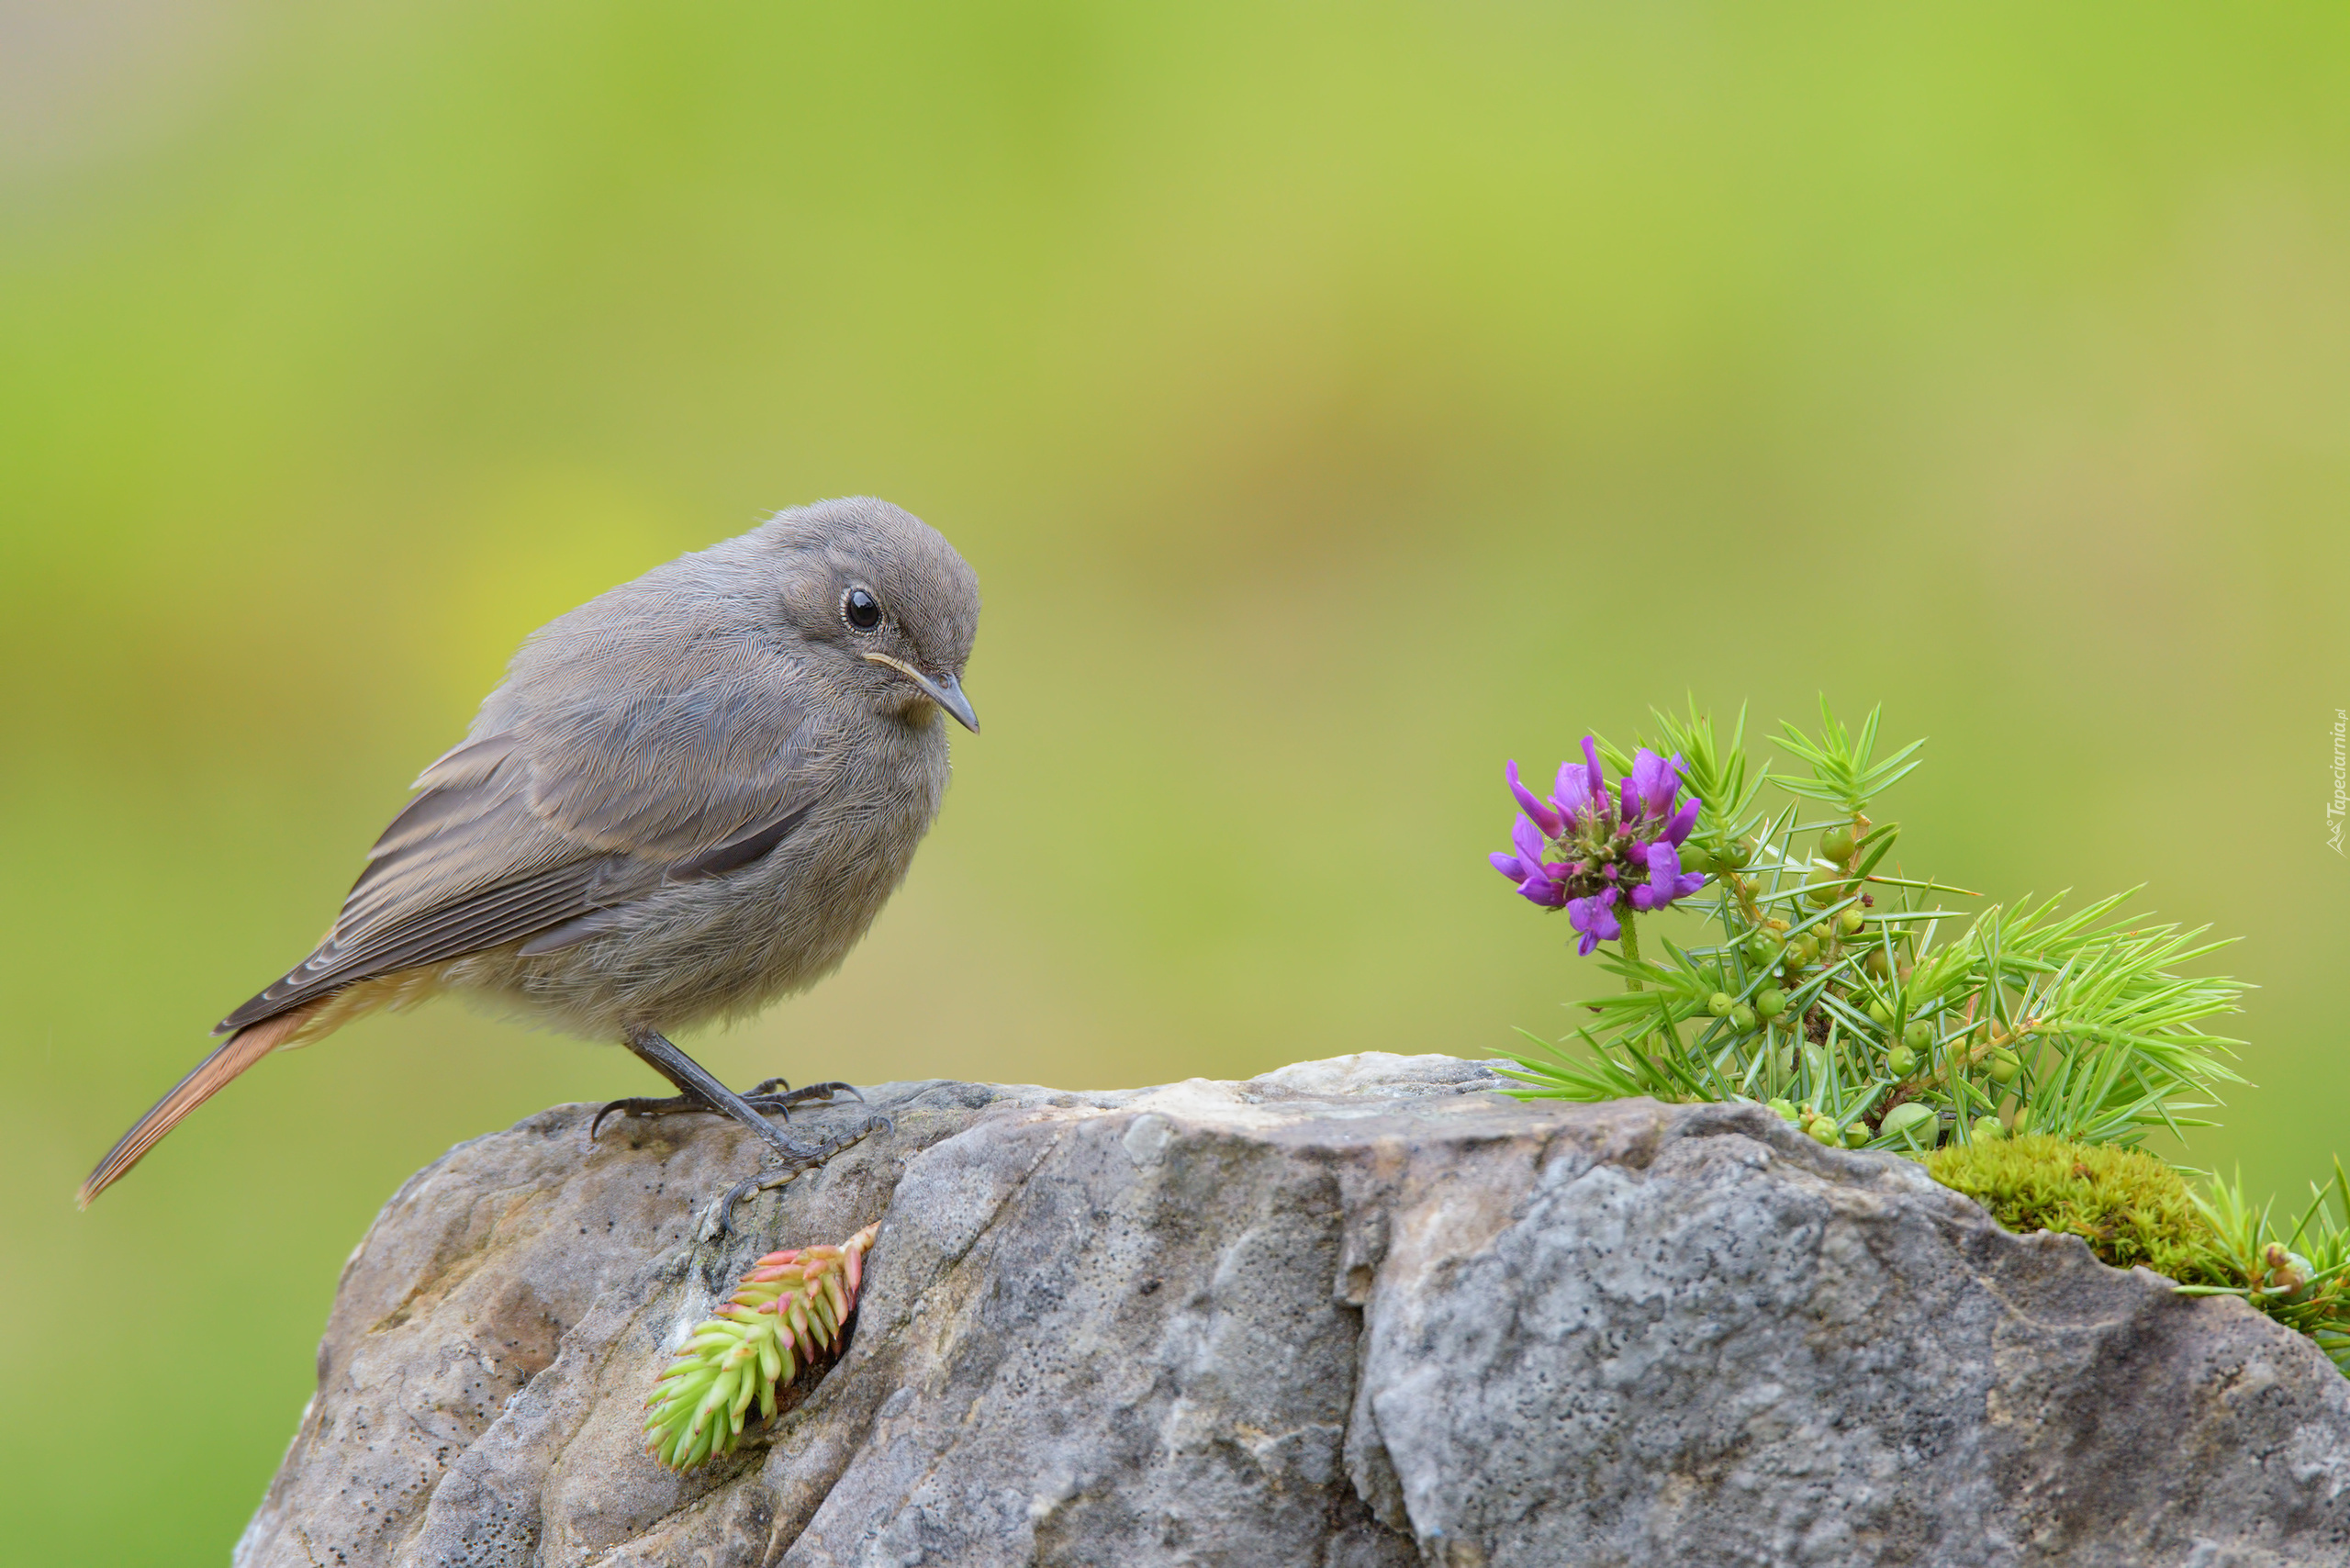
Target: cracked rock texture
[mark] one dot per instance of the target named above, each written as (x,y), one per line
(1354,1313)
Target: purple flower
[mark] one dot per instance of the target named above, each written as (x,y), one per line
(1592,917)
(1667,881)
(1609,843)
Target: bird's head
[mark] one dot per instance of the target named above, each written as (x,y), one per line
(883,601)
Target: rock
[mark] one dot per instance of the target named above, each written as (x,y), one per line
(1354,1313)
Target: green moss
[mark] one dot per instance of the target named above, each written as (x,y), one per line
(2130,1207)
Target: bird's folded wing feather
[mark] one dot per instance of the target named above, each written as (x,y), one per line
(570,810)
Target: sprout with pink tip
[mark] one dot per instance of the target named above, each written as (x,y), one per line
(788,1311)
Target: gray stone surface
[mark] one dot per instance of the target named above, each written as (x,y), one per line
(1350,1314)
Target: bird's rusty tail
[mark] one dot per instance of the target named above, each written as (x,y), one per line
(236,1053)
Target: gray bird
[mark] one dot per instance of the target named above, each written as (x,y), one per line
(689,796)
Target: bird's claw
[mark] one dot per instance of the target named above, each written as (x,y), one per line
(777,1092)
(642,1105)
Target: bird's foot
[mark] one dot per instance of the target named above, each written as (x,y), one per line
(774,1096)
(808,1155)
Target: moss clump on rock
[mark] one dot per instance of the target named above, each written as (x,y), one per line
(2133,1209)
(2129,1207)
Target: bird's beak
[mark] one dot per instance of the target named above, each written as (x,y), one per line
(943,689)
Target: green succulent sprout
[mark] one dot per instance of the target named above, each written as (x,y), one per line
(786,1312)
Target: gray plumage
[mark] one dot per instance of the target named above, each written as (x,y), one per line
(689,796)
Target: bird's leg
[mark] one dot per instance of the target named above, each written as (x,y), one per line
(698,1091)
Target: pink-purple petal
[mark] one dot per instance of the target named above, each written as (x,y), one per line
(1574,796)
(1654,781)
(1667,881)
(1595,918)
(1539,889)
(1545,815)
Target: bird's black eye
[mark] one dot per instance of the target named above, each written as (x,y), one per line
(860,610)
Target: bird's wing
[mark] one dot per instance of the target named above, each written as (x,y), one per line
(569,811)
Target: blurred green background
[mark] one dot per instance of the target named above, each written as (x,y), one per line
(1334,399)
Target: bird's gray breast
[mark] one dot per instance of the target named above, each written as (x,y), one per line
(695,947)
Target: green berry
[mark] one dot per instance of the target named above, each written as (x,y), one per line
(1786,1108)
(1876,966)
(1771,1002)
(1719,1003)
(1988,1130)
(1850,921)
(1741,1017)
(1762,946)
(1836,845)
(1823,1129)
(2004,1066)
(2289,1276)
(1856,1135)
(1908,1117)
(1900,1061)
(1824,889)
(1880,1015)
(1804,949)
(1919,1035)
